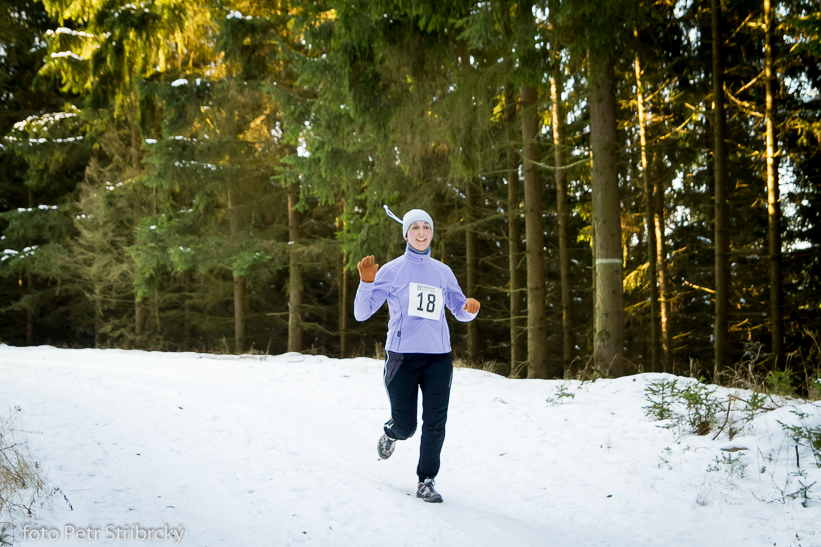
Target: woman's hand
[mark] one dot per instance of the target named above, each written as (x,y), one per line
(471,306)
(367,269)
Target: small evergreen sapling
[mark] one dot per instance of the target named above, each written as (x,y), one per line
(693,408)
(804,433)
(561,394)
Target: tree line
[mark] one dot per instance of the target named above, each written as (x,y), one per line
(623,185)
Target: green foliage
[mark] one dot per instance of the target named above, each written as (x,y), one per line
(807,432)
(695,408)
(733,467)
(561,394)
(780,383)
(755,403)
(804,489)
(809,27)
(692,408)
(198,120)
(664,460)
(701,407)
(248,260)
(661,394)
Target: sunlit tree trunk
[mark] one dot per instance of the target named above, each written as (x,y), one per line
(773,204)
(649,222)
(664,281)
(608,343)
(563,213)
(722,245)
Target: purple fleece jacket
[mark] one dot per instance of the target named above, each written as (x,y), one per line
(416,288)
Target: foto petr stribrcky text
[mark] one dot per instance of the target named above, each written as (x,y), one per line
(111,532)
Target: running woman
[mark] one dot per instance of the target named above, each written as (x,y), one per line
(417,288)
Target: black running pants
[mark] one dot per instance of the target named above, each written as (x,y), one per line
(405,375)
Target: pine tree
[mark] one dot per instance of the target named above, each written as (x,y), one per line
(650,215)
(562,199)
(41,158)
(113,47)
(773,197)
(537,366)
(609,322)
(51,148)
(720,170)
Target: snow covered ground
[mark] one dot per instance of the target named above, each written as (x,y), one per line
(253,451)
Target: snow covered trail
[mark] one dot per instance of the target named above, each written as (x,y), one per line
(282,451)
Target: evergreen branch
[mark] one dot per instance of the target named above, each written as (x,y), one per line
(705,289)
(751,82)
(661,88)
(678,129)
(554,169)
(740,26)
(747,108)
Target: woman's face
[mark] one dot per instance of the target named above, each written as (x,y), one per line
(419,235)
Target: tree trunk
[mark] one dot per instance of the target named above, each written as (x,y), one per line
(534,231)
(563,212)
(664,283)
(720,172)
(773,204)
(30,309)
(295,272)
(649,223)
(155,309)
(518,342)
(30,289)
(343,307)
(239,280)
(343,286)
(187,312)
(239,314)
(471,248)
(98,315)
(608,343)
(140,321)
(140,306)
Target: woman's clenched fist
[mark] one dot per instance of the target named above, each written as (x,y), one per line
(471,305)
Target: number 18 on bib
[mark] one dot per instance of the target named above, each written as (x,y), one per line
(425,301)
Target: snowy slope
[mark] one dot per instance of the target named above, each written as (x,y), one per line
(252,451)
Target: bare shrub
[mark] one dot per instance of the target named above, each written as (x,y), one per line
(22,485)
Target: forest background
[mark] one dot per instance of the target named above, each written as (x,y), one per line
(624,186)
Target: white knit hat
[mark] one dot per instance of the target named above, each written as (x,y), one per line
(415,215)
(410,217)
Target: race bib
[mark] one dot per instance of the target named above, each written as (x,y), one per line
(425,301)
